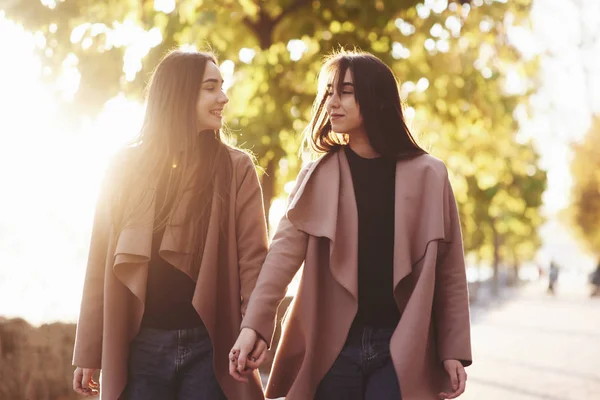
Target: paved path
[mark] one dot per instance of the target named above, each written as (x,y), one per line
(529,345)
(533,346)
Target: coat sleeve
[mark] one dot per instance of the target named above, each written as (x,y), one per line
(451,299)
(286,255)
(251,230)
(87,352)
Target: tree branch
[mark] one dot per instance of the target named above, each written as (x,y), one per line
(250,24)
(293,7)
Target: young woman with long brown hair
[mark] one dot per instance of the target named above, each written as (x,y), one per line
(382,308)
(179,237)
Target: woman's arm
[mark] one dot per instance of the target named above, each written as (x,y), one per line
(286,254)
(451,301)
(251,231)
(88,340)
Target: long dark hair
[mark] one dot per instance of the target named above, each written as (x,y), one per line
(171,150)
(376,91)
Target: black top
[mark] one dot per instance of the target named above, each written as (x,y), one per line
(374,187)
(169,291)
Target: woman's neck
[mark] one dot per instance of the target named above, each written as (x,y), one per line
(359,143)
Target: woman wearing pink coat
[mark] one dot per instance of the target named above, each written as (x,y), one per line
(179,238)
(382,307)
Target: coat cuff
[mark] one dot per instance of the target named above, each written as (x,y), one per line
(263,326)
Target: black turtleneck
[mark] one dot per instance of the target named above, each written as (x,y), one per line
(169,291)
(374,182)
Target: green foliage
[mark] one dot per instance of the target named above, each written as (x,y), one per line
(455,67)
(453,64)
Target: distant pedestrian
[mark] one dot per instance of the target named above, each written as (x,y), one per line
(552,276)
(595,281)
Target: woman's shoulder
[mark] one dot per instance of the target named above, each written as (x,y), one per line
(243,163)
(121,161)
(242,160)
(427,164)
(240,156)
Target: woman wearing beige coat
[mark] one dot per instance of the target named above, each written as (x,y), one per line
(382,307)
(178,240)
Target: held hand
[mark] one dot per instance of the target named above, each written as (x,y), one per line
(458,379)
(247,354)
(83,383)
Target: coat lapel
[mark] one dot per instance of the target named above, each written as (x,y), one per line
(314,207)
(344,250)
(402,232)
(325,206)
(419,209)
(134,248)
(174,248)
(134,245)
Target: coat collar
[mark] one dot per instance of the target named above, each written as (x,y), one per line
(324,205)
(133,247)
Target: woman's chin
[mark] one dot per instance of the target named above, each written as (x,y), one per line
(338,127)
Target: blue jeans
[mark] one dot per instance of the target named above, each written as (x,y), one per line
(172,365)
(363,370)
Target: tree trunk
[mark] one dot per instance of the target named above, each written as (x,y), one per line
(268,183)
(516,266)
(496,262)
(516,279)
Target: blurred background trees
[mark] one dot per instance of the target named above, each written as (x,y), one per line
(464,82)
(585,208)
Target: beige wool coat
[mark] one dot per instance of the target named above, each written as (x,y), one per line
(320,228)
(115,284)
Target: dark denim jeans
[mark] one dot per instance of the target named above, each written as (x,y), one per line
(363,370)
(172,365)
